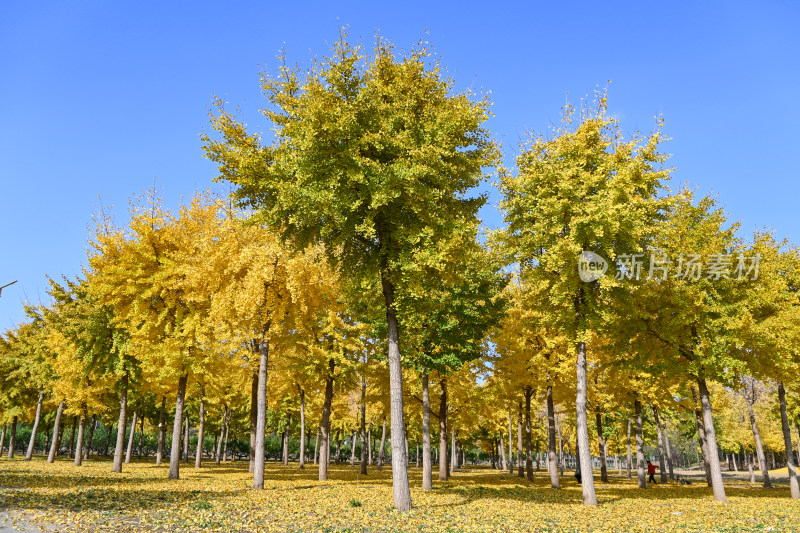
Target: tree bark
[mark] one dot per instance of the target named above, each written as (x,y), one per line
(453,455)
(630,458)
(72,438)
(711,442)
(639,445)
(198,456)
(501,448)
(109,433)
(79,444)
(762,461)
(325,442)
(670,462)
(32,442)
(520,452)
(121,425)
(175,452)
(528,457)
(510,446)
(162,431)
(316,447)
(140,448)
(552,459)
(186,438)
(444,471)
(91,437)
(701,436)
(383,445)
(3,440)
(400,486)
(363,425)
(427,467)
(130,439)
(302,428)
(601,444)
(253,417)
(794,488)
(661,464)
(12,440)
(261,414)
(587,479)
(750,468)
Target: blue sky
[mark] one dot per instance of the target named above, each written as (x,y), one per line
(102,99)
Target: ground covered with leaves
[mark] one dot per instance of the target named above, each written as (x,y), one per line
(62,497)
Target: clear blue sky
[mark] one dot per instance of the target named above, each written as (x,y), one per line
(98,98)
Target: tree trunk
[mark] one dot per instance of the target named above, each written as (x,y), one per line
(552,459)
(701,436)
(383,444)
(12,440)
(198,457)
(130,439)
(363,425)
(501,448)
(640,472)
(661,463)
(186,438)
(91,437)
(587,479)
(520,452)
(750,468)
(72,438)
(601,445)
(109,433)
(3,440)
(400,486)
(510,446)
(32,442)
(453,456)
(162,431)
(444,471)
(79,444)
(762,461)
(285,440)
(316,447)
(797,428)
(427,467)
(302,428)
(670,461)
(122,424)
(528,457)
(325,442)
(175,452)
(711,442)
(369,442)
(630,458)
(253,415)
(140,448)
(261,417)
(560,448)
(787,438)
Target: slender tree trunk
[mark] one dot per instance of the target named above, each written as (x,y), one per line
(162,431)
(316,447)
(325,443)
(510,446)
(794,488)
(552,459)
(735,466)
(630,458)
(711,440)
(201,427)
(81,434)
(175,452)
(302,428)
(587,479)
(528,457)
(109,434)
(427,467)
(363,425)
(762,461)
(661,463)
(601,445)
(453,456)
(338,445)
(701,436)
(444,471)
(218,443)
(229,412)
(639,445)
(400,486)
(253,417)
(667,444)
(502,450)
(261,416)
(369,443)
(560,448)
(797,428)
(72,438)
(130,438)
(12,440)
(32,442)
(91,437)
(750,468)
(186,438)
(383,445)
(3,440)
(121,425)
(140,448)
(520,453)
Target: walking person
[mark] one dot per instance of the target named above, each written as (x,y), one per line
(651,469)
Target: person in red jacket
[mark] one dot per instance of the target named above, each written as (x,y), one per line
(651,469)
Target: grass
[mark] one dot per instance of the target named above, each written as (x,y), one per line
(219,498)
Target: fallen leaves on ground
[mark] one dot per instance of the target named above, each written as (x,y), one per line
(475,499)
